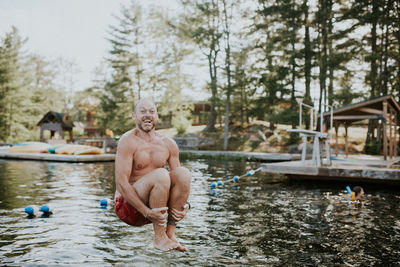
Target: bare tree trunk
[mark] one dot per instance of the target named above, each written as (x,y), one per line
(228,77)
(213,84)
(330,51)
(307,63)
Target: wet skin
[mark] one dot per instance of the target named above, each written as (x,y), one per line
(144,182)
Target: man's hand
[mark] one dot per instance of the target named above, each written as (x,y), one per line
(179,215)
(158,215)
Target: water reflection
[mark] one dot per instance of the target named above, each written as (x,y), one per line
(260,220)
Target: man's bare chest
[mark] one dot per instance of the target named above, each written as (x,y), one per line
(150,155)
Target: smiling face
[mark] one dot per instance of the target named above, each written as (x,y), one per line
(145,115)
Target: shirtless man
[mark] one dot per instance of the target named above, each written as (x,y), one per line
(146,191)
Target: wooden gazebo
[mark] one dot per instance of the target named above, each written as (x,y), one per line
(56,122)
(383,110)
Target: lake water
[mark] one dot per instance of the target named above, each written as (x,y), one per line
(262,220)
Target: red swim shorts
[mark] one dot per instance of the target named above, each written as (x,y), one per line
(129,214)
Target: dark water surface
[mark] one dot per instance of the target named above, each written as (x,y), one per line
(262,220)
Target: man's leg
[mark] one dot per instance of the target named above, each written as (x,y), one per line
(153,189)
(179,194)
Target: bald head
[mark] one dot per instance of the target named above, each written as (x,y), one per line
(144,102)
(145,115)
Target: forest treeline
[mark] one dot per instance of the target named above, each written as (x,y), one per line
(253,60)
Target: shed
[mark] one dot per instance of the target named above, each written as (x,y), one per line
(383,111)
(56,122)
(91,129)
(200,113)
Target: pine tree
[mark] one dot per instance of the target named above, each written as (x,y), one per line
(202,24)
(11,85)
(125,85)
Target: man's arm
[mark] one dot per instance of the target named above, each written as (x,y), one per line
(173,163)
(173,160)
(123,168)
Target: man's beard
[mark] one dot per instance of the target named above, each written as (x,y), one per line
(146,131)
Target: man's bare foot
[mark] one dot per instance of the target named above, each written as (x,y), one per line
(179,246)
(165,244)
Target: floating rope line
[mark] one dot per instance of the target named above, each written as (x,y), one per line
(235,178)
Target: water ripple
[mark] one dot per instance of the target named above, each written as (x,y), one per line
(261,220)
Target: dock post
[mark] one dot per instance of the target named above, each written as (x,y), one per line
(316,156)
(328,152)
(304,150)
(346,144)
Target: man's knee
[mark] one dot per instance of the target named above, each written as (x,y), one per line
(181,175)
(162,177)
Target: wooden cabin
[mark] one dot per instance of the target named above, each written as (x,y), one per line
(56,122)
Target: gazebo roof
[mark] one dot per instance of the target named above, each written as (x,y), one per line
(56,117)
(369,109)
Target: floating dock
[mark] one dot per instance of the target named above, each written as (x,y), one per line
(249,156)
(351,169)
(4,154)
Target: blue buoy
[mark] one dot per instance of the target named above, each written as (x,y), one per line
(29,210)
(249,173)
(212,192)
(235,178)
(219,183)
(103,202)
(213,185)
(45,209)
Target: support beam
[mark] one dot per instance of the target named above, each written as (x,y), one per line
(41,134)
(355,117)
(385,115)
(395,135)
(71,135)
(346,144)
(390,134)
(371,110)
(337,139)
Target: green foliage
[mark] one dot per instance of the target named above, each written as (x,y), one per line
(180,122)
(282,114)
(10,81)
(201,23)
(27,90)
(276,47)
(346,94)
(117,108)
(374,147)
(140,65)
(118,94)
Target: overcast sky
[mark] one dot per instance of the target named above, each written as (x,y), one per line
(73,29)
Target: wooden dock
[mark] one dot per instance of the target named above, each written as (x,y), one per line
(351,169)
(248,156)
(57,157)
